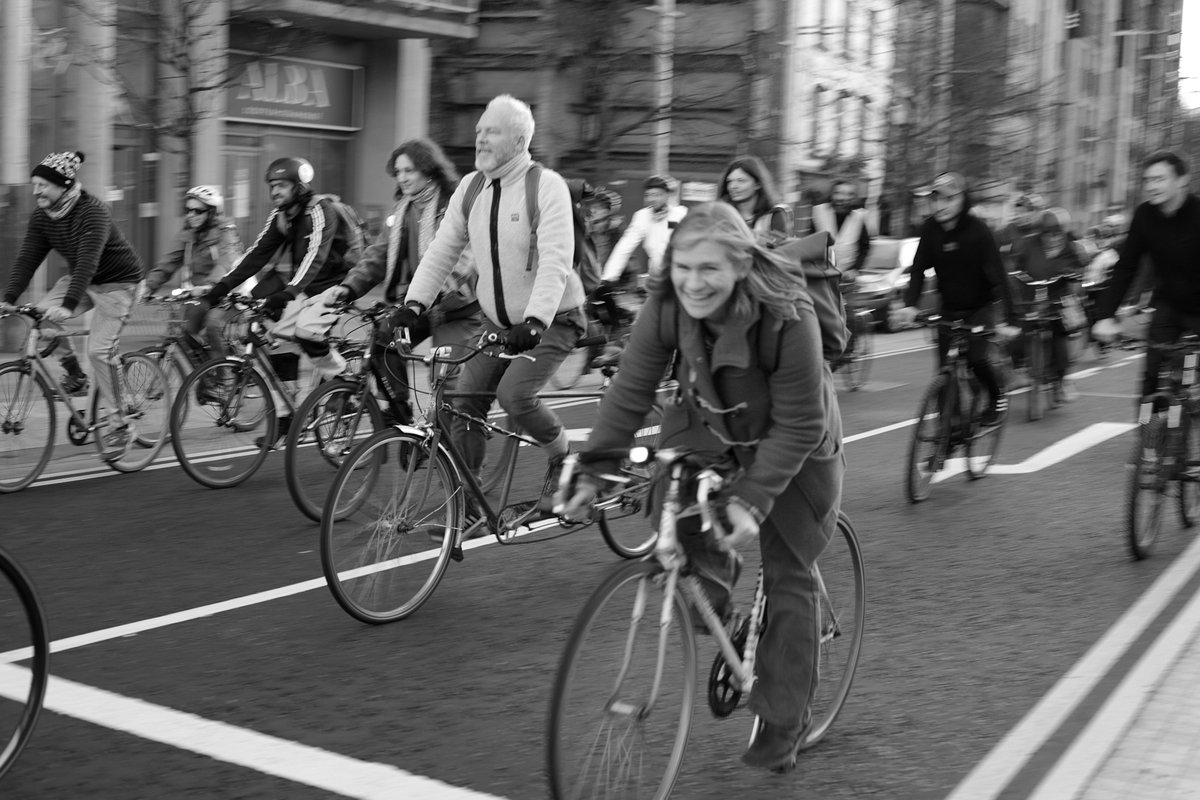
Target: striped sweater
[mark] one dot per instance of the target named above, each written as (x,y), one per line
(87,238)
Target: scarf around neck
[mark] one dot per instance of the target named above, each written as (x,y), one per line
(65,203)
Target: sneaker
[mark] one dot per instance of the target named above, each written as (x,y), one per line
(75,384)
(114,443)
(995,412)
(545,504)
(282,426)
(775,748)
(1068,391)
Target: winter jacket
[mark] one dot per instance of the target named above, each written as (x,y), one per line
(204,254)
(966,260)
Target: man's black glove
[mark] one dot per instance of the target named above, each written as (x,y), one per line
(216,294)
(525,336)
(274,304)
(407,316)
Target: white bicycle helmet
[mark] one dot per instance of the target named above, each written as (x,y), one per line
(209,195)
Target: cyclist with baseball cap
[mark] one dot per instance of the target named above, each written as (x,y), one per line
(650,227)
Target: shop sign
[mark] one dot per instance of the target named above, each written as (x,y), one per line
(295,92)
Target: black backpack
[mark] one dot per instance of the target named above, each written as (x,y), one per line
(358,237)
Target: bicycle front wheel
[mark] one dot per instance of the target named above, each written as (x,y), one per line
(984,443)
(24,660)
(1189,491)
(624,692)
(930,441)
(842,589)
(389,526)
(222,423)
(1148,480)
(330,422)
(623,522)
(146,398)
(26,426)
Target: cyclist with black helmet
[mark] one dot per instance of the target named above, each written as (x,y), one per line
(205,249)
(303,243)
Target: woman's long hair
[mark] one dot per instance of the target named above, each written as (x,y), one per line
(429,160)
(771,281)
(767,197)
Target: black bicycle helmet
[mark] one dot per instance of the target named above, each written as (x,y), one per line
(291,168)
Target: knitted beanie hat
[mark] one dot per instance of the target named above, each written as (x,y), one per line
(59,168)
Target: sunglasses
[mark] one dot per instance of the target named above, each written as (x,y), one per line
(191,210)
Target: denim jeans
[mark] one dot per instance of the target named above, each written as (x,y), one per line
(112,303)
(515,384)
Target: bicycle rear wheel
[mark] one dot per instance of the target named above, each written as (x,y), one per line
(843,609)
(1189,491)
(623,523)
(147,400)
(27,417)
(222,423)
(399,508)
(24,660)
(930,441)
(620,713)
(1148,481)
(984,443)
(330,422)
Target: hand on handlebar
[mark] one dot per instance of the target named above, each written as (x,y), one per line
(57,314)
(743,527)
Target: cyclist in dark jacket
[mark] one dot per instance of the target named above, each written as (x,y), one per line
(962,252)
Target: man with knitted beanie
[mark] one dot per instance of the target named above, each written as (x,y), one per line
(102,274)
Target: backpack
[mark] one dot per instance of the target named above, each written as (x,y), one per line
(584,259)
(358,236)
(812,263)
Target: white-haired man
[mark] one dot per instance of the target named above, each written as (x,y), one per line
(527,288)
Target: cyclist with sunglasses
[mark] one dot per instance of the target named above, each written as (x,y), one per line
(205,249)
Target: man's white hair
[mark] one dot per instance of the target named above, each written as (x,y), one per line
(516,112)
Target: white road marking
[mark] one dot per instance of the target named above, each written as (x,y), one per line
(1096,742)
(1060,451)
(992,775)
(292,761)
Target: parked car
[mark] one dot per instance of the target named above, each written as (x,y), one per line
(883,279)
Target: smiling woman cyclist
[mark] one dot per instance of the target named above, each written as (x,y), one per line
(721,292)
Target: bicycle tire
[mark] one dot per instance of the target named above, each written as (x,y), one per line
(930,441)
(623,524)
(843,581)
(399,506)
(1036,355)
(598,706)
(173,364)
(223,410)
(1188,494)
(21,631)
(334,418)
(147,400)
(857,364)
(1147,484)
(984,443)
(26,434)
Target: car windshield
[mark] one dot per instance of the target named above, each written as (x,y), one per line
(883,257)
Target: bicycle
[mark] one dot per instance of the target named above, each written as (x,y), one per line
(605,336)
(224,420)
(855,363)
(1167,449)
(404,502)
(24,637)
(949,417)
(179,353)
(623,697)
(28,415)
(1041,319)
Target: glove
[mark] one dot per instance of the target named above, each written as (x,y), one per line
(216,294)
(335,295)
(275,303)
(407,316)
(525,336)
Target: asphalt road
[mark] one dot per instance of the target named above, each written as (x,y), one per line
(199,654)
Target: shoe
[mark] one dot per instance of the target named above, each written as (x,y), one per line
(995,412)
(114,443)
(1068,391)
(775,748)
(545,505)
(75,384)
(282,426)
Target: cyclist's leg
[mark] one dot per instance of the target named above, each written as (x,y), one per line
(979,358)
(76,380)
(313,322)
(480,375)
(459,331)
(113,303)
(1165,327)
(394,370)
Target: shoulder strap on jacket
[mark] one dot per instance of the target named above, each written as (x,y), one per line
(473,190)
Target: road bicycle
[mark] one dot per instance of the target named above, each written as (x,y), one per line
(1166,454)
(855,363)
(623,697)
(949,416)
(1041,319)
(24,659)
(29,392)
(404,502)
(225,419)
